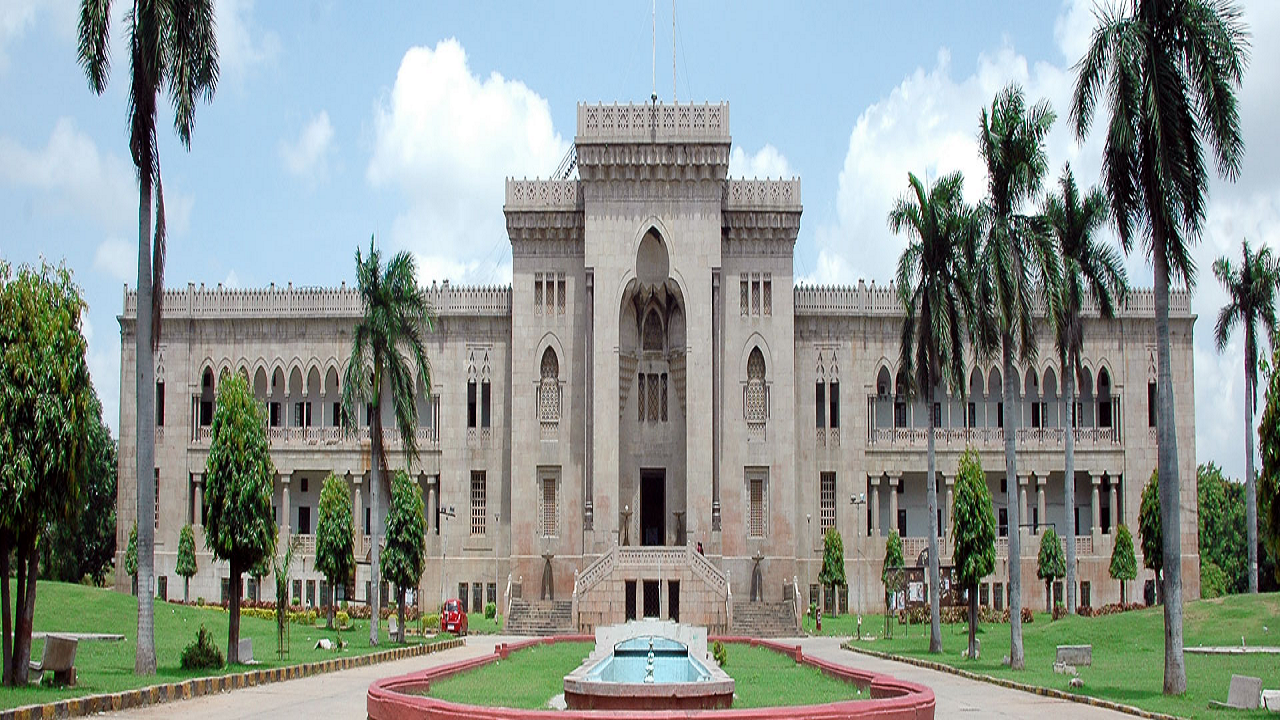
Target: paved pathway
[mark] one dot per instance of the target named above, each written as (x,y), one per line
(342,694)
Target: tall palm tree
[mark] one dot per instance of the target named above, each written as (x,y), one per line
(1017,258)
(1168,72)
(172,45)
(1089,268)
(936,293)
(395,315)
(1252,287)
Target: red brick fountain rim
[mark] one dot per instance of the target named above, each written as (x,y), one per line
(891,698)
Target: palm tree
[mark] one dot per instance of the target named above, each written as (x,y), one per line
(1016,258)
(395,314)
(1168,72)
(172,45)
(936,293)
(1252,287)
(1089,268)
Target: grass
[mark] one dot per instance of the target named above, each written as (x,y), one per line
(1128,652)
(531,677)
(107,667)
(478,624)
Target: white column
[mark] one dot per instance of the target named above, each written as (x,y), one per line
(947,518)
(1096,504)
(1023,516)
(875,506)
(1114,512)
(197,515)
(894,482)
(1041,481)
(357,512)
(285,480)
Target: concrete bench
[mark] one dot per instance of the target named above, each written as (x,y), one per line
(245,648)
(1075,655)
(1245,693)
(59,658)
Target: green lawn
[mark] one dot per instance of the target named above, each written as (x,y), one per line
(478,624)
(107,667)
(1128,652)
(531,677)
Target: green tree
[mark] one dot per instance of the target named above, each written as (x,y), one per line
(394,315)
(1213,581)
(936,294)
(1090,269)
(1149,524)
(1050,565)
(406,528)
(1269,480)
(84,544)
(46,416)
(891,576)
(1221,518)
(172,46)
(186,560)
(1251,288)
(1124,566)
(1168,73)
(975,535)
(281,566)
(1017,261)
(832,573)
(240,525)
(131,554)
(335,549)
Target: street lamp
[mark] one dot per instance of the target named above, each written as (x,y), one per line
(448,514)
(858,500)
(497,570)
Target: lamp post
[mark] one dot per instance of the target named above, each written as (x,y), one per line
(497,570)
(808,528)
(448,514)
(858,500)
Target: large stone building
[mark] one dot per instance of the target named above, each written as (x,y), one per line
(653,419)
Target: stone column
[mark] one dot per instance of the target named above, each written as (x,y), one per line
(1096,506)
(894,482)
(874,482)
(285,480)
(1114,513)
(948,519)
(1041,481)
(357,511)
(1023,516)
(198,516)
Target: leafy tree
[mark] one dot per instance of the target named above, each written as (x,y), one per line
(281,567)
(1090,269)
(335,549)
(131,553)
(1124,566)
(84,544)
(832,573)
(172,46)
(395,314)
(1269,480)
(1221,519)
(891,575)
(1050,565)
(1149,524)
(239,526)
(1252,288)
(1213,581)
(46,416)
(1168,73)
(936,294)
(186,559)
(1017,260)
(402,561)
(975,535)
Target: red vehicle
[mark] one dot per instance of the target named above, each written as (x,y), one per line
(453,617)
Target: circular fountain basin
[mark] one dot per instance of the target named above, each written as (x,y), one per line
(648,673)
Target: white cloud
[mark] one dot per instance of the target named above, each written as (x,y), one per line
(240,44)
(447,139)
(19,16)
(307,156)
(475,272)
(768,163)
(928,124)
(104,372)
(117,258)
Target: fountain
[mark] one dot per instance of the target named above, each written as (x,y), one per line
(649,665)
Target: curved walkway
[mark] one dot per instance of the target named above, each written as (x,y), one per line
(342,694)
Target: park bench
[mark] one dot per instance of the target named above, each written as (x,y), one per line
(1075,655)
(245,648)
(1245,693)
(59,658)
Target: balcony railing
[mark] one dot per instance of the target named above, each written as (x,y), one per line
(427,437)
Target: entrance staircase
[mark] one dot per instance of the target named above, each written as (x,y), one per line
(600,590)
(764,620)
(540,617)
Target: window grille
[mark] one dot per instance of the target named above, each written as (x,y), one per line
(755,294)
(827,500)
(820,404)
(640,399)
(768,294)
(664,397)
(549,388)
(551,294)
(471,403)
(486,396)
(756,526)
(478,502)
(548,509)
(756,406)
(654,400)
(834,392)
(537,293)
(560,295)
(742,297)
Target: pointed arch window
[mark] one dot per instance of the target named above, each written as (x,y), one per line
(653,340)
(755,403)
(549,390)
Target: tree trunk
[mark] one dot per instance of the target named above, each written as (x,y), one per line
(1122,599)
(5,610)
(400,615)
(1016,661)
(376,451)
(973,621)
(1250,488)
(931,503)
(1069,477)
(1048,598)
(1175,671)
(233,625)
(144,436)
(186,589)
(23,610)
(333,595)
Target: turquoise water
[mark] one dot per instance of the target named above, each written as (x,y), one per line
(628,663)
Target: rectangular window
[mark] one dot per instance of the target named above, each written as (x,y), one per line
(548,510)
(1084,592)
(972,419)
(827,501)
(206,413)
(1035,415)
(560,299)
(159,404)
(471,403)
(478,520)
(755,294)
(937,414)
(1104,413)
(998,595)
(984,594)
(756,499)
(902,522)
(664,397)
(833,392)
(742,296)
(820,404)
(654,401)
(462,593)
(899,414)
(1000,415)
(477,597)
(1152,412)
(767,290)
(1035,519)
(337,415)
(485,397)
(157,505)
(275,413)
(537,293)
(1004,522)
(368,520)
(640,399)
(304,520)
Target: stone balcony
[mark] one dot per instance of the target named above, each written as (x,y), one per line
(428,438)
(989,438)
(912,547)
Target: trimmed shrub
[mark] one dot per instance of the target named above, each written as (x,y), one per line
(490,611)
(719,654)
(202,654)
(342,619)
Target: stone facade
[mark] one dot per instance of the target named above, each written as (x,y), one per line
(653,377)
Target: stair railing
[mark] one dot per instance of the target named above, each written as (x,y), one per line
(574,611)
(506,599)
(728,603)
(598,570)
(795,588)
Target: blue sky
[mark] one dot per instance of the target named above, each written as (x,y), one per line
(334,121)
